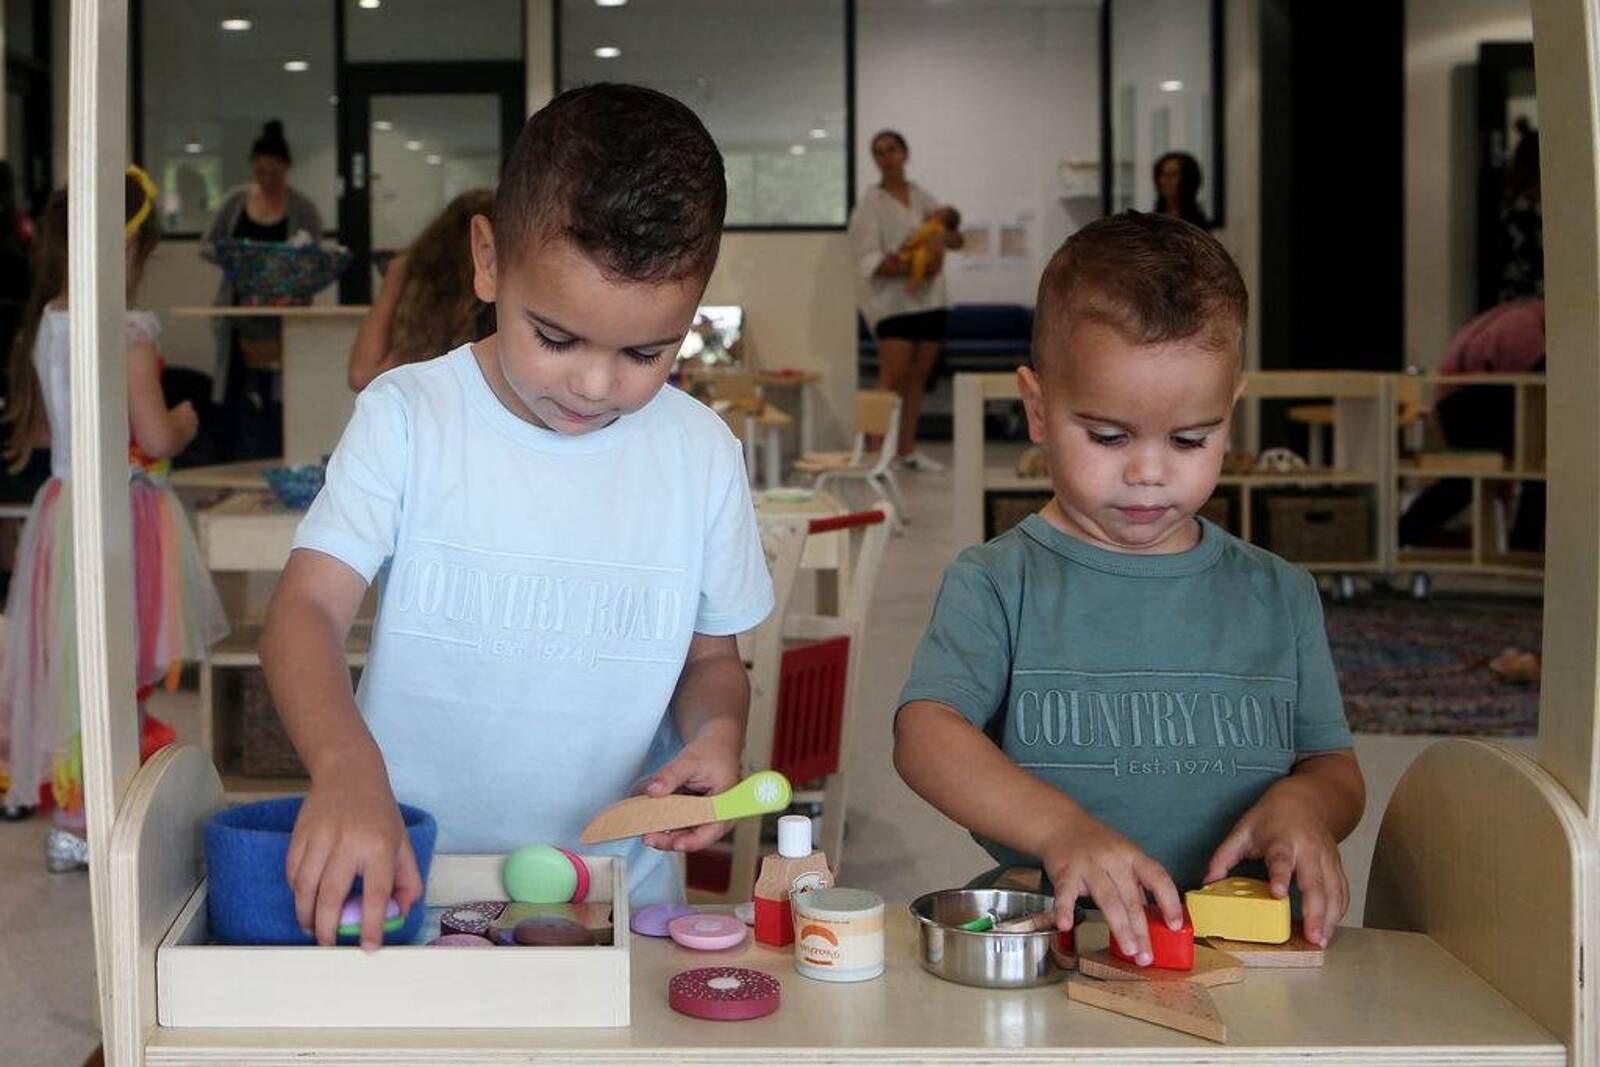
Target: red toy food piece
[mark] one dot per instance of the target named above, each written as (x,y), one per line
(725,994)
(473,917)
(1173,949)
(582,870)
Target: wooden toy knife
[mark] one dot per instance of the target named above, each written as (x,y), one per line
(759,794)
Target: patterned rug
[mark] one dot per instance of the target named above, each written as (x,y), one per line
(1421,667)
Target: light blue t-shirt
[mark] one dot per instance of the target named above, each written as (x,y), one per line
(538,595)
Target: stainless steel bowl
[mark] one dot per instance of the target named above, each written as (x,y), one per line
(992,960)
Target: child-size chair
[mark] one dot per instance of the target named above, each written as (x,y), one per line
(877,415)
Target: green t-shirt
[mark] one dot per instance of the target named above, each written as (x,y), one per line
(1162,693)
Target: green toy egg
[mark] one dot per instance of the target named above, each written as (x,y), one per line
(539,874)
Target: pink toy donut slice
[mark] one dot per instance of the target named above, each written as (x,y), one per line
(462,941)
(726,994)
(707,933)
(472,917)
(583,874)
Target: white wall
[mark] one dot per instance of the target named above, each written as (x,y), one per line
(992,99)
(1442,38)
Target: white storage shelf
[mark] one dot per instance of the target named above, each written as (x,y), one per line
(403,986)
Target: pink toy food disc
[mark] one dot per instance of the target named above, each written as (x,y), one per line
(462,941)
(707,933)
(583,874)
(472,917)
(652,919)
(726,994)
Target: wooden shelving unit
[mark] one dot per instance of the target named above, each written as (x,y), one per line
(1485,554)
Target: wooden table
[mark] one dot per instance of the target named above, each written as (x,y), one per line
(1383,997)
(317,400)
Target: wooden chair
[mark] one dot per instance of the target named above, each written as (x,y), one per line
(877,415)
(737,396)
(1483,851)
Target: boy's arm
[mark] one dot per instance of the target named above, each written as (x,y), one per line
(1296,828)
(349,824)
(709,708)
(369,353)
(951,764)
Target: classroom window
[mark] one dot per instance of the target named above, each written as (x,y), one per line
(768,78)
(208,89)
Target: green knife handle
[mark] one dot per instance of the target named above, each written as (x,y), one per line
(759,794)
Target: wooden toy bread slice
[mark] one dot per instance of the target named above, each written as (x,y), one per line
(1182,1006)
(1295,952)
(1211,968)
(760,794)
(1239,909)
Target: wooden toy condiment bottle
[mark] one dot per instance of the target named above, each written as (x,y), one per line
(796,868)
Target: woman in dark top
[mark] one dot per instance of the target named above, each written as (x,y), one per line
(249,350)
(1177,178)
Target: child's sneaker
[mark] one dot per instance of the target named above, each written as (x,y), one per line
(918,461)
(65,851)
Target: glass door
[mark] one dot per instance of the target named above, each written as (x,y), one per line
(411,140)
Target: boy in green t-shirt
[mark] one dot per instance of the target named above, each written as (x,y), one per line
(1116,690)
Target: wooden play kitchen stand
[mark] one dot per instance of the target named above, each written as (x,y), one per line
(1483,896)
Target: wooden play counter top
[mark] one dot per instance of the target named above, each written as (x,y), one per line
(1383,997)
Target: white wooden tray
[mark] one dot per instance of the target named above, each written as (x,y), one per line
(205,985)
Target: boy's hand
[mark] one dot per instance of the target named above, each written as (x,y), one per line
(706,765)
(1285,830)
(1091,859)
(349,826)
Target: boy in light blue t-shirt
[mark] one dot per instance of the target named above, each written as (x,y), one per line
(565,549)
(1136,700)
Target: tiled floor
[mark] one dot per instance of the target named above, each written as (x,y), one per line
(896,843)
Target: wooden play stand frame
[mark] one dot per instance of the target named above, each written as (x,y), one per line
(1487,858)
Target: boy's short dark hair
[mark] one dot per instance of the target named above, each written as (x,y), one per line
(628,175)
(1152,278)
(952,217)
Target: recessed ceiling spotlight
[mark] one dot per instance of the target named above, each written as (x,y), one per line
(819,134)
(239,25)
(435,160)
(413,146)
(297,66)
(194,148)
(371,5)
(607,51)
(609,3)
(797,150)
(383,125)
(1172,86)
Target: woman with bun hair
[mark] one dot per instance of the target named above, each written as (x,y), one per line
(250,350)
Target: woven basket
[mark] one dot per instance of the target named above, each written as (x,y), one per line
(266,273)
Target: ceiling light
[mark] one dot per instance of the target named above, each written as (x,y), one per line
(413,146)
(236,25)
(607,51)
(797,150)
(435,160)
(818,134)
(297,66)
(609,3)
(383,125)
(1172,86)
(194,148)
(371,5)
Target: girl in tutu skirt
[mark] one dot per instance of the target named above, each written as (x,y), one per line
(178,613)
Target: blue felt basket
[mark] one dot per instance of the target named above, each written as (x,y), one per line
(248,897)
